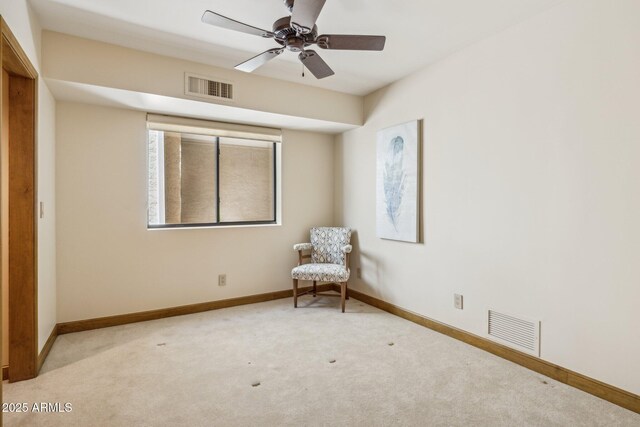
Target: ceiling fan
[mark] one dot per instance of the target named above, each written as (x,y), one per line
(296,33)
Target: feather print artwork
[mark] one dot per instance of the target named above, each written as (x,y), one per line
(393,180)
(397,182)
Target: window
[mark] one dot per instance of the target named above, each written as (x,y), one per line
(210,174)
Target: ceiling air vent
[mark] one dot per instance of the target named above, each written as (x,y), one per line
(516,332)
(204,87)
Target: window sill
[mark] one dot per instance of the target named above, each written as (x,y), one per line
(208,227)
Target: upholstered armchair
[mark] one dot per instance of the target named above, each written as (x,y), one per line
(329,254)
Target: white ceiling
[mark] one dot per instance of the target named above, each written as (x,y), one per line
(419,32)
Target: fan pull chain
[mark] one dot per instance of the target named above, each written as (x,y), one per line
(302,70)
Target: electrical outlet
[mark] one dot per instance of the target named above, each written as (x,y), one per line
(457,301)
(359,273)
(222,280)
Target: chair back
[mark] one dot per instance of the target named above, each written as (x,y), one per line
(327,243)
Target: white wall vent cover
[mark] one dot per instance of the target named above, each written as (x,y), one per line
(204,87)
(515,332)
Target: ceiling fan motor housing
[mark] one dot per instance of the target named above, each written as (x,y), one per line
(288,37)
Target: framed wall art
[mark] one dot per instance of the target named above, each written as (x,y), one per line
(397,182)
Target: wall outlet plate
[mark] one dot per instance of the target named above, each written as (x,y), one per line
(222,280)
(457,301)
(359,273)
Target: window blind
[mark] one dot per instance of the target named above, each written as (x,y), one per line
(206,127)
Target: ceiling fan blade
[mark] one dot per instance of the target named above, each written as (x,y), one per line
(305,14)
(259,60)
(349,42)
(315,64)
(217,20)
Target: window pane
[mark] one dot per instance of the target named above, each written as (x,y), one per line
(246,180)
(198,180)
(182,178)
(188,171)
(154,180)
(172,170)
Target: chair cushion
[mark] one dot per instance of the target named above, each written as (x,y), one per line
(328,243)
(321,272)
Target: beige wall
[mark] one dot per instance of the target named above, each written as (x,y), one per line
(24,25)
(72,59)
(47,293)
(531,166)
(109,263)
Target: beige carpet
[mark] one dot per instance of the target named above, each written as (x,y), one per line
(314,366)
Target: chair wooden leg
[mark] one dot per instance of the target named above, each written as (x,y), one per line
(314,288)
(343,293)
(295,293)
(346,285)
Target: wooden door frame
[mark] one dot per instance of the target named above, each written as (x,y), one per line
(23,225)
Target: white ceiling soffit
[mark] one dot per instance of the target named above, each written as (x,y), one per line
(419,32)
(150,103)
